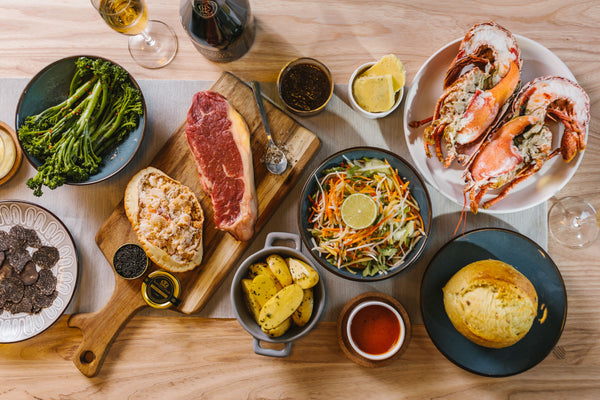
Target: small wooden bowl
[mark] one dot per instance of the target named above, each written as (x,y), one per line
(19,152)
(343,321)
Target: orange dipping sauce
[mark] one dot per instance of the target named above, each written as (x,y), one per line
(375,329)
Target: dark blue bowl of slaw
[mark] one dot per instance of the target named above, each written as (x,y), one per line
(405,171)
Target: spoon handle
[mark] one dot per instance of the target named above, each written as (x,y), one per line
(261,107)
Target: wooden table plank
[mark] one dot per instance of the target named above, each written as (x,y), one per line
(187,357)
(190,357)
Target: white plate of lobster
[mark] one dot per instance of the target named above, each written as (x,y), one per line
(421,100)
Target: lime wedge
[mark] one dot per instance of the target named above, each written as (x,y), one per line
(359,211)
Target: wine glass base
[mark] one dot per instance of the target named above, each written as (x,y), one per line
(572,222)
(155,47)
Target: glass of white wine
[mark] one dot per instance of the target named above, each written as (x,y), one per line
(152,44)
(574,222)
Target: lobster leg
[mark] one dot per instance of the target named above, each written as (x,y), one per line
(418,124)
(524,175)
(573,138)
(450,156)
(439,135)
(476,196)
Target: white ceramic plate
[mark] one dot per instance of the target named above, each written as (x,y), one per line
(420,104)
(52,232)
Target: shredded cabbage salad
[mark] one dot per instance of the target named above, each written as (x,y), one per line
(379,247)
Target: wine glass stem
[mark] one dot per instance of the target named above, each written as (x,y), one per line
(147,38)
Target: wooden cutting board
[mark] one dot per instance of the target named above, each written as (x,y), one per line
(221,250)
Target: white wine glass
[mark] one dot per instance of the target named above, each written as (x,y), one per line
(573,222)
(152,44)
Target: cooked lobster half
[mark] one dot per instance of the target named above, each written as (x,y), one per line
(520,147)
(478,85)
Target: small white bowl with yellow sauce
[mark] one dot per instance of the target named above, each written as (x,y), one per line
(375,95)
(10,153)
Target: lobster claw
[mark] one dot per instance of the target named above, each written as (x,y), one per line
(500,155)
(485,107)
(496,158)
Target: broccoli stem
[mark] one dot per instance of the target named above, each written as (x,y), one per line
(51,115)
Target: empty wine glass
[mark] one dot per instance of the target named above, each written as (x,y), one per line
(573,222)
(152,44)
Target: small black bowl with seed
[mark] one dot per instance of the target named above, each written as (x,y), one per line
(130,261)
(305,86)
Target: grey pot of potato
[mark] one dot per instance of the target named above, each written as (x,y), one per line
(246,317)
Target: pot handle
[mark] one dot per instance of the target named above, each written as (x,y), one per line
(272,352)
(273,236)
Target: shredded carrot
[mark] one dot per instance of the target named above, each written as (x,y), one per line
(384,244)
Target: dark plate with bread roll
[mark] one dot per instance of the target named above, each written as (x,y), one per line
(493,302)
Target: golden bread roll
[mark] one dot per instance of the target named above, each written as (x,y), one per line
(491,303)
(167,219)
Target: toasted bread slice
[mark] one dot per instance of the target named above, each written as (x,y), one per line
(167,219)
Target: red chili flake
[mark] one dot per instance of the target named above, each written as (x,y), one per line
(50,130)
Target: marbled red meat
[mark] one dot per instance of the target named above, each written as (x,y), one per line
(220,142)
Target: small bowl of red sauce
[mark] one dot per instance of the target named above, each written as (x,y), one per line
(305,86)
(374,329)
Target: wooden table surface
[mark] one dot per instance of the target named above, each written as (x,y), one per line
(181,357)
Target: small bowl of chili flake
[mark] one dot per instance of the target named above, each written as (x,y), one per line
(305,86)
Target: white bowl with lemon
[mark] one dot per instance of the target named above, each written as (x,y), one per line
(365,214)
(376,88)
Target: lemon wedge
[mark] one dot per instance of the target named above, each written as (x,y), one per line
(374,93)
(359,211)
(389,65)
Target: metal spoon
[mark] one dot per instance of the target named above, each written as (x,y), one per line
(275,159)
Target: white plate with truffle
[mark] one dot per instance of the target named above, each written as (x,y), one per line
(38,270)
(526,257)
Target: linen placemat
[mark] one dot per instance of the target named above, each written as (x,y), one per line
(83,209)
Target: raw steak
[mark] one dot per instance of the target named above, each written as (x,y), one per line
(220,142)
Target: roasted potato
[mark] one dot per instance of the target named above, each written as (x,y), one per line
(258,269)
(280,269)
(278,330)
(263,288)
(304,311)
(302,273)
(263,269)
(280,307)
(251,302)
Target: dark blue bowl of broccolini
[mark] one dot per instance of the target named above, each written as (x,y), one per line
(80,120)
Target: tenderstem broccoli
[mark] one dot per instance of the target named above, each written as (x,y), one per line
(70,138)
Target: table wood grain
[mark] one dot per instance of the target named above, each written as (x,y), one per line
(189,357)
